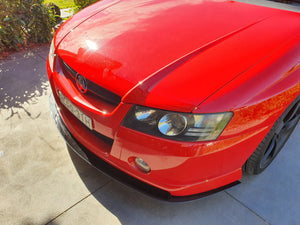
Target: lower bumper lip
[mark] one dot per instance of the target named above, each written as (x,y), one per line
(115,173)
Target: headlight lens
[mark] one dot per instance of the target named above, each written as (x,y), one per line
(172,124)
(177,126)
(51,55)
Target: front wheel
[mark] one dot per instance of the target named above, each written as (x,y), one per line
(271,145)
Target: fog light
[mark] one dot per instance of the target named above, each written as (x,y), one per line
(142,165)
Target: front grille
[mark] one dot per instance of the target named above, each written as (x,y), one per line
(93,88)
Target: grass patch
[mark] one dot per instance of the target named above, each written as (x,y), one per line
(62,3)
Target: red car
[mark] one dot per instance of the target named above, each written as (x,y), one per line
(177,98)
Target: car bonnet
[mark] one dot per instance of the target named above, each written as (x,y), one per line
(171,54)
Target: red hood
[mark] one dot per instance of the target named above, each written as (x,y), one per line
(171,54)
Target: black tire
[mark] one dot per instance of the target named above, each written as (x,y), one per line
(271,145)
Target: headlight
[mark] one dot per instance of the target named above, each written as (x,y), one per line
(175,125)
(51,55)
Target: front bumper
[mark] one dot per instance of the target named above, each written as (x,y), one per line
(115,173)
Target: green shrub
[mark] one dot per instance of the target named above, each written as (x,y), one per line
(84,3)
(24,21)
(40,24)
(11,34)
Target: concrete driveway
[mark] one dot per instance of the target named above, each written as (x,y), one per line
(41,183)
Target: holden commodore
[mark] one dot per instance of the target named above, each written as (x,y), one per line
(176,98)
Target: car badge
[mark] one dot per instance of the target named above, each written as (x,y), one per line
(81,83)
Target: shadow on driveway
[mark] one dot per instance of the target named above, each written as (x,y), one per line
(22,81)
(131,207)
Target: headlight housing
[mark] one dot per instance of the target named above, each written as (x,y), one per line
(175,125)
(51,55)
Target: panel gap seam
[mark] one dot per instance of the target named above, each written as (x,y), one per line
(248,208)
(41,57)
(78,202)
(46,142)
